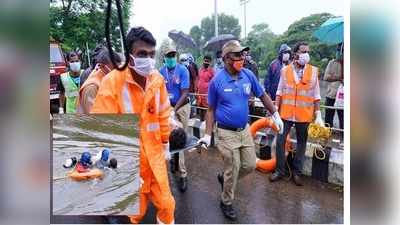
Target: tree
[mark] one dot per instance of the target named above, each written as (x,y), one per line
(227,24)
(75,22)
(302,30)
(260,40)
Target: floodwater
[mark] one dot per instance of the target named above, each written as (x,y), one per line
(117,192)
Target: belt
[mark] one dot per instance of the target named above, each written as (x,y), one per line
(230,128)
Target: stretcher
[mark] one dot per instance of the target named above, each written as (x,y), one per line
(191,142)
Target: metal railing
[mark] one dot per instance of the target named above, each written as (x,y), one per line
(260,117)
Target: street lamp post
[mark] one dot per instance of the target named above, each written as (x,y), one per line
(121,40)
(244,3)
(216,18)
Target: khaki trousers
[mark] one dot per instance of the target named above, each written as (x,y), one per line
(239,157)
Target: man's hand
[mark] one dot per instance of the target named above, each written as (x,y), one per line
(167,154)
(205,140)
(318,119)
(61,110)
(278,122)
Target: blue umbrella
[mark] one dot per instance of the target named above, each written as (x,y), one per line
(331,31)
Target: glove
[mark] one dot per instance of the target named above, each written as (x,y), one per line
(318,119)
(61,110)
(141,183)
(167,154)
(206,140)
(278,122)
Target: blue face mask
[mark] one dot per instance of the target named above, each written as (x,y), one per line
(170,62)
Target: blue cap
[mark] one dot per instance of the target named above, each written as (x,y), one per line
(105,154)
(86,159)
(283,48)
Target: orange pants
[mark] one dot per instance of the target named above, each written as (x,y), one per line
(150,190)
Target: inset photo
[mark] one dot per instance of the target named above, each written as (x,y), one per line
(95,164)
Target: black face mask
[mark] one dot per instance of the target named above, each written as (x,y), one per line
(206,65)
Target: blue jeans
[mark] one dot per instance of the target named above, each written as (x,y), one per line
(301,135)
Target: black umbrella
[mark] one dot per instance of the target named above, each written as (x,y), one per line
(216,43)
(182,39)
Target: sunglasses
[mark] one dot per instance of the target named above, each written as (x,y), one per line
(237,54)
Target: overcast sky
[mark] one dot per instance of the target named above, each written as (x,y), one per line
(161,16)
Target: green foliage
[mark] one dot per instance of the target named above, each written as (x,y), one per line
(302,30)
(227,24)
(263,43)
(260,40)
(75,22)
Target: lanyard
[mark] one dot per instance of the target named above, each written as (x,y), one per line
(169,78)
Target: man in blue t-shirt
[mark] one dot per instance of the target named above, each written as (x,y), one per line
(228,95)
(178,83)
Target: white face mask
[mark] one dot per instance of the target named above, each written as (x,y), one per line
(75,66)
(143,66)
(285,57)
(304,58)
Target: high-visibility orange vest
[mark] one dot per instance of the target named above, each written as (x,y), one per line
(297,100)
(95,77)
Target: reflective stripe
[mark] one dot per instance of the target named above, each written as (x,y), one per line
(165,106)
(157,99)
(153,127)
(288,90)
(306,93)
(126,98)
(304,104)
(72,94)
(287,102)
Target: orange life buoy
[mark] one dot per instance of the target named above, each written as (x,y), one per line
(93,173)
(270,164)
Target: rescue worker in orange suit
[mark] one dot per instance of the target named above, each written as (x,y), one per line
(88,90)
(298,99)
(140,89)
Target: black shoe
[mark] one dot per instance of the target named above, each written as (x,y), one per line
(220,177)
(297,180)
(183,184)
(275,177)
(228,211)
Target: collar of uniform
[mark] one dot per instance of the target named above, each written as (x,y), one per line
(229,78)
(129,79)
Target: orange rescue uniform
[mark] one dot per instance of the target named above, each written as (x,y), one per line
(119,93)
(88,91)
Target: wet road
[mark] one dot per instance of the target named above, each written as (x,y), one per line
(117,192)
(257,200)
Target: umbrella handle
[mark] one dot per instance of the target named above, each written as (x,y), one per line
(107,34)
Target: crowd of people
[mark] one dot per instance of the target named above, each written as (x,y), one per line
(163,99)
